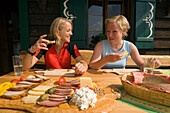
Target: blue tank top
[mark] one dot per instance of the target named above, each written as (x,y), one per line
(107,48)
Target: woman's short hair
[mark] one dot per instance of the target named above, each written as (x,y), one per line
(121,21)
(56,26)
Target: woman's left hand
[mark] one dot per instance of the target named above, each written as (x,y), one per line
(79,68)
(154,60)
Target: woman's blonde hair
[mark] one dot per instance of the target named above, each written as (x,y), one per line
(56,26)
(121,21)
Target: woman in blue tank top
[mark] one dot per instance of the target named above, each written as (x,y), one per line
(108,53)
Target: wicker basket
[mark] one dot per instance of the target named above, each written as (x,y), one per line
(144,93)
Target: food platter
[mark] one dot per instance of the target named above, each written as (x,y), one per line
(106,97)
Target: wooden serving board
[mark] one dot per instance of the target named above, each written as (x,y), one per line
(120,71)
(58,72)
(105,103)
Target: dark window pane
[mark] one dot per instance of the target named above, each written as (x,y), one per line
(95,10)
(114,9)
(95,23)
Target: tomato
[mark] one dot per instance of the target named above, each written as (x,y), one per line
(77,87)
(15,81)
(22,78)
(90,88)
(61,80)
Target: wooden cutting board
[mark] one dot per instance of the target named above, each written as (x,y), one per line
(105,103)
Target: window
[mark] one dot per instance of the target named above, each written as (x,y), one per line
(98,10)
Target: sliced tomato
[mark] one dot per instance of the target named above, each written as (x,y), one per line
(15,81)
(22,78)
(61,80)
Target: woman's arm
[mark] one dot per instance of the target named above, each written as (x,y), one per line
(140,62)
(136,56)
(81,66)
(29,60)
(97,62)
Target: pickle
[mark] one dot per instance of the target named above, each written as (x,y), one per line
(43,97)
(51,90)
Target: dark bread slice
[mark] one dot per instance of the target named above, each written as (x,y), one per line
(14,94)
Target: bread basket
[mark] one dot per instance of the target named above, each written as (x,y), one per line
(143,93)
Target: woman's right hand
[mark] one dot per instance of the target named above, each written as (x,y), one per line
(113,57)
(40,44)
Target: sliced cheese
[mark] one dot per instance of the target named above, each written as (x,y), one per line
(35,93)
(30,99)
(86,81)
(124,53)
(41,88)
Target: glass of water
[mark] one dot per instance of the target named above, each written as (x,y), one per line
(147,68)
(17,64)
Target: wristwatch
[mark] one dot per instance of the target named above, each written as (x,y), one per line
(30,52)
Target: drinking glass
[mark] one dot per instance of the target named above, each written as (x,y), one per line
(148,69)
(17,64)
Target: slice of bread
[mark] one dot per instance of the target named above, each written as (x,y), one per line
(154,79)
(19,87)
(14,94)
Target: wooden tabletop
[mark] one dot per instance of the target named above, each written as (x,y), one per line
(101,79)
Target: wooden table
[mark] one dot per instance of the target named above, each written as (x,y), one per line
(100,78)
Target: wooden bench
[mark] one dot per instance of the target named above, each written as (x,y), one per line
(87,54)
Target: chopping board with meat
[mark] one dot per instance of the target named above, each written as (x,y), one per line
(42,94)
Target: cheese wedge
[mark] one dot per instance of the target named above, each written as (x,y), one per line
(86,81)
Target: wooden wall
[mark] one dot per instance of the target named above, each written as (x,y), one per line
(41,15)
(162,30)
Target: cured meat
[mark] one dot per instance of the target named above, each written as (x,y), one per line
(57,96)
(57,99)
(50,103)
(63,91)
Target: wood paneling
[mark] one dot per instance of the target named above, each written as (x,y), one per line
(162,44)
(41,19)
(162,33)
(162,22)
(38,30)
(51,7)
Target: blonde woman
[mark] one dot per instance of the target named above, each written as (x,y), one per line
(107,53)
(57,55)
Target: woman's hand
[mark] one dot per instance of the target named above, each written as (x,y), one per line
(154,61)
(40,44)
(113,57)
(79,68)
